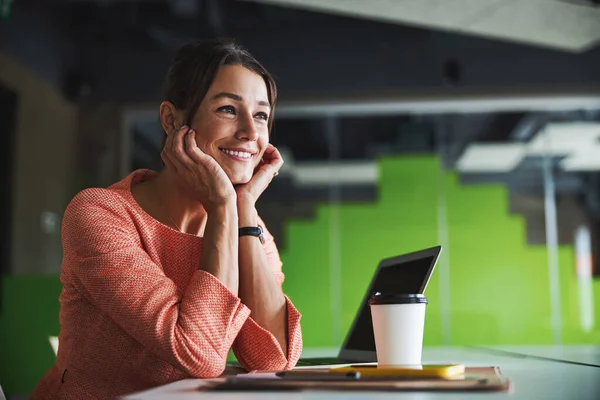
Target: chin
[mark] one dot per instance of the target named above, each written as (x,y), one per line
(240,179)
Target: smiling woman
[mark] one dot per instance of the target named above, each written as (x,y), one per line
(232,123)
(162,269)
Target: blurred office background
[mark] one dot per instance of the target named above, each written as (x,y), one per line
(474,124)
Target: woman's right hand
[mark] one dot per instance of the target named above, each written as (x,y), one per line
(196,171)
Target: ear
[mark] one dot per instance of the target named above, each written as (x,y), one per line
(170,117)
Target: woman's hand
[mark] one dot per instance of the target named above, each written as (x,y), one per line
(249,193)
(197,172)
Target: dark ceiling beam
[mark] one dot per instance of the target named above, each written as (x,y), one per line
(311,55)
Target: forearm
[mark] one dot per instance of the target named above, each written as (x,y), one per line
(220,246)
(259,290)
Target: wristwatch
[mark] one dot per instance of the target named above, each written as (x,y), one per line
(253,231)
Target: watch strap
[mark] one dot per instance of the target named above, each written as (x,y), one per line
(253,231)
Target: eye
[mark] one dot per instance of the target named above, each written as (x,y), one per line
(262,115)
(227,110)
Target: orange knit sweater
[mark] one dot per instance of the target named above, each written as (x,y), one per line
(136,312)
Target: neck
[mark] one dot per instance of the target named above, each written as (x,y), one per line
(178,206)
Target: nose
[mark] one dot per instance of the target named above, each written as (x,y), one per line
(246,127)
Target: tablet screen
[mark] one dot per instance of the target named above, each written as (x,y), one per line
(402,277)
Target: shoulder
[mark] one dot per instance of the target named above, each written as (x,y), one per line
(99,212)
(97,200)
(115,200)
(98,221)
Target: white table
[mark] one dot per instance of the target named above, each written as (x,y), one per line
(531,378)
(584,354)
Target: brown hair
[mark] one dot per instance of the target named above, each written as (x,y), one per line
(195,67)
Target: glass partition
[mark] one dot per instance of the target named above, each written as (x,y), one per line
(511,196)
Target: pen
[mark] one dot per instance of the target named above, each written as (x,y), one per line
(426,371)
(320,376)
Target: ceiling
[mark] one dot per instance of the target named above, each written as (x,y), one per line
(568,25)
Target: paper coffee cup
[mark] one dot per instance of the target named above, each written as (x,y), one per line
(398,323)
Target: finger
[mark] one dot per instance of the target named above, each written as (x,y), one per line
(169,145)
(165,154)
(198,157)
(270,151)
(169,142)
(273,159)
(193,151)
(258,166)
(168,163)
(261,180)
(179,149)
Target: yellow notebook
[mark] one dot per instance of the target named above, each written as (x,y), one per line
(427,371)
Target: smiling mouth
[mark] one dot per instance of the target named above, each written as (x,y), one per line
(237,155)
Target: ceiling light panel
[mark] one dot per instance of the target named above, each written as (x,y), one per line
(491,157)
(565,138)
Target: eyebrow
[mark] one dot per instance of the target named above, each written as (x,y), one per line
(236,97)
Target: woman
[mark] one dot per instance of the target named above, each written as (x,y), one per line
(164,272)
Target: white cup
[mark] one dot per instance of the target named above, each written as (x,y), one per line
(398,322)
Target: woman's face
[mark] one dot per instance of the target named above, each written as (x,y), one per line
(231,123)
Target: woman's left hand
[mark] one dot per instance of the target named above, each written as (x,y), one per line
(249,193)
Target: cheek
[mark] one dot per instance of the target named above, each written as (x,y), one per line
(207,133)
(263,143)
(202,143)
(263,139)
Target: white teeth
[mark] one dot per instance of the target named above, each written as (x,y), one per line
(240,154)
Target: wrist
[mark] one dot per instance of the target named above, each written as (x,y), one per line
(245,201)
(221,202)
(247,215)
(222,210)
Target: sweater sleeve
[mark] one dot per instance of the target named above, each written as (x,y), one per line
(192,330)
(255,347)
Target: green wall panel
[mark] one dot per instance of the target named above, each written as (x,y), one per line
(499,291)
(29,315)
(307,276)
(499,285)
